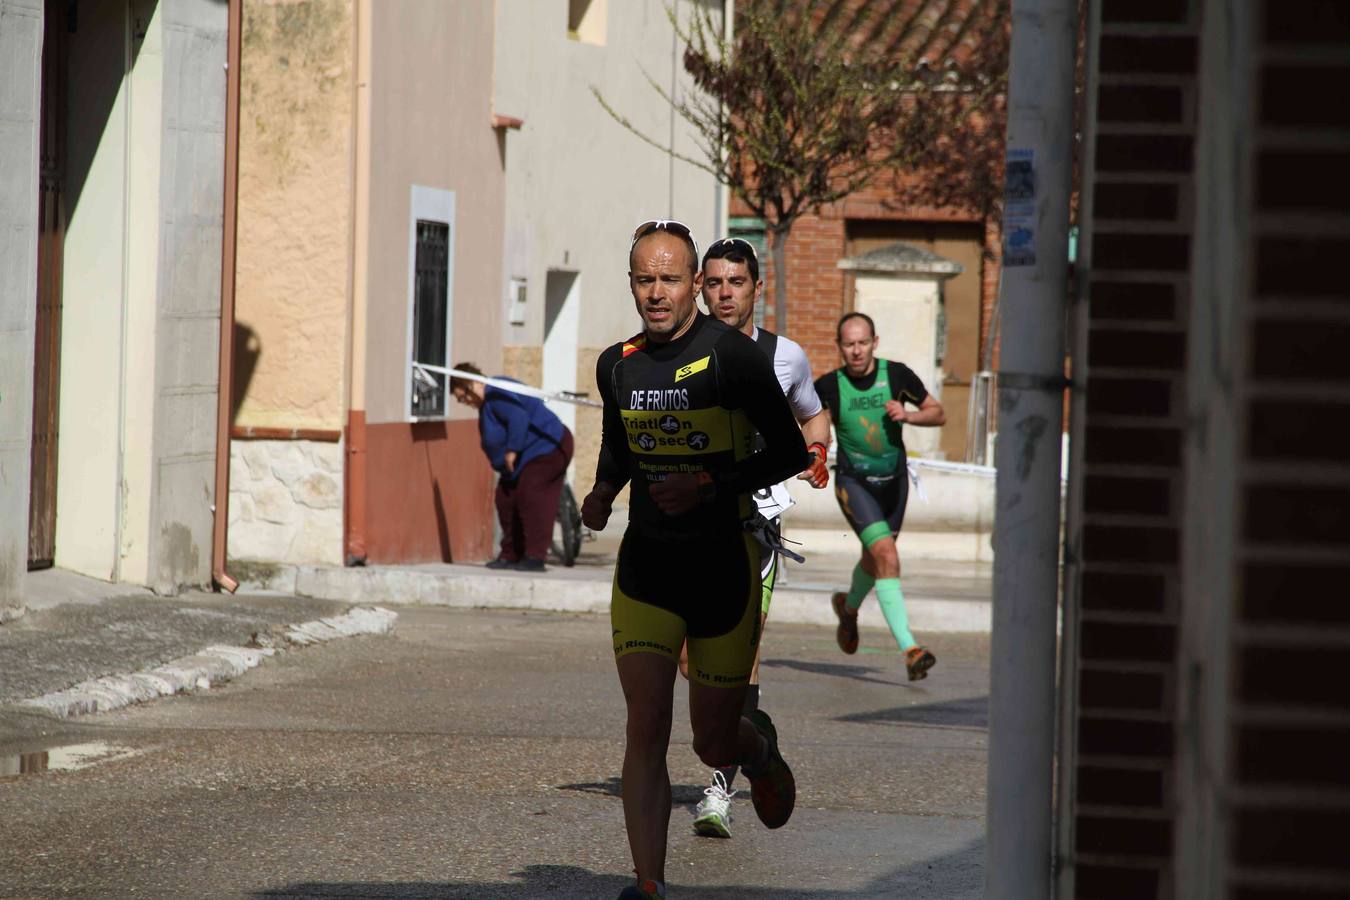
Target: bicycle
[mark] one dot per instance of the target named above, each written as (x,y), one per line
(567,529)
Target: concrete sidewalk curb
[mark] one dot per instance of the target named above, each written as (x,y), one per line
(567,593)
(211,666)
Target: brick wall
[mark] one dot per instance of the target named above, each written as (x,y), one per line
(816,287)
(1137,226)
(1290,645)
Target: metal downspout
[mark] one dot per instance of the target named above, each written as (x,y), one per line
(354,493)
(229,245)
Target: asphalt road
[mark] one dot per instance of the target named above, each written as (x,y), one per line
(475,754)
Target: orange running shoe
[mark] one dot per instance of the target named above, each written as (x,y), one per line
(918,661)
(847,632)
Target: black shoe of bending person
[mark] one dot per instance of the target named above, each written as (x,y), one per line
(530,564)
(500,563)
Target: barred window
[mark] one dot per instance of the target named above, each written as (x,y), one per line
(431,302)
(431,292)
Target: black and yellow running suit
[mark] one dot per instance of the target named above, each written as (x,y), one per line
(692,405)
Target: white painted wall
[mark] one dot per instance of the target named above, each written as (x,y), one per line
(145,117)
(563,290)
(905,310)
(578,182)
(93,282)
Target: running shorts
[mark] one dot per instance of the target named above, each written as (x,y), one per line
(873,504)
(705,590)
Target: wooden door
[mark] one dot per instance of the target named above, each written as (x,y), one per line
(47,344)
(961,242)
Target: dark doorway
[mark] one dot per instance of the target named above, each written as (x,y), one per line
(51,234)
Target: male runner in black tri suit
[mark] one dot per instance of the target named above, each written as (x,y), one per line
(683,402)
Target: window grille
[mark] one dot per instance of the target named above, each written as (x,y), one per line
(430,300)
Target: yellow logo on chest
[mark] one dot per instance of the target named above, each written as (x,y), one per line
(693,368)
(873,435)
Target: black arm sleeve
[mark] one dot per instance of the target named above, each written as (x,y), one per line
(827,388)
(905,385)
(749,384)
(612,466)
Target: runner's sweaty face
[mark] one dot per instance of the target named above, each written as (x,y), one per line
(858,346)
(664,285)
(729,292)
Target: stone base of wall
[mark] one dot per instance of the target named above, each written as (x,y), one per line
(286,502)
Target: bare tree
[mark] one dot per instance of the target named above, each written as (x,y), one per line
(814,100)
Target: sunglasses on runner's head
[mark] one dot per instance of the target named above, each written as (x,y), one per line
(679,229)
(735,247)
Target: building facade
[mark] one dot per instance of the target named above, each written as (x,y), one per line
(578,182)
(371,208)
(114,161)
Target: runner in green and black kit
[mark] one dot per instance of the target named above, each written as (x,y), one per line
(683,402)
(867,399)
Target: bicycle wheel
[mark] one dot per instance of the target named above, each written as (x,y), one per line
(567,528)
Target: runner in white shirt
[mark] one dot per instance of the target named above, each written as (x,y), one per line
(731,287)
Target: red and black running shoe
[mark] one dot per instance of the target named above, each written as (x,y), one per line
(773,790)
(847,632)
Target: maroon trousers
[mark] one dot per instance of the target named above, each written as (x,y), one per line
(528,505)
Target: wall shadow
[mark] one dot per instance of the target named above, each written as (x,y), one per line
(958,875)
(247,351)
(97,59)
(971,712)
(442,523)
(835,670)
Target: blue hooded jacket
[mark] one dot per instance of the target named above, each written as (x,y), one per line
(511,421)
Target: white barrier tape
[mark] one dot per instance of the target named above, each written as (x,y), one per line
(942,466)
(913,472)
(512,386)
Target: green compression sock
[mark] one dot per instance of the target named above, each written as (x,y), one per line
(893,608)
(862,583)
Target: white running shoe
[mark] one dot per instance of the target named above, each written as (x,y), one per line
(712,816)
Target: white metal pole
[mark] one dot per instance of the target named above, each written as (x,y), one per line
(1018,862)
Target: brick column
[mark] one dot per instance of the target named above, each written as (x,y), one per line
(1124,583)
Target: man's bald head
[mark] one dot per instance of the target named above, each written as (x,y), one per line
(663,242)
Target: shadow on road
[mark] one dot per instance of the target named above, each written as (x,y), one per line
(972,712)
(857,673)
(953,876)
(680,794)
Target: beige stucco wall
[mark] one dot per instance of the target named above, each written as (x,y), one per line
(430,126)
(523,364)
(295,201)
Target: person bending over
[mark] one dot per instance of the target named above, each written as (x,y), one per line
(530,449)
